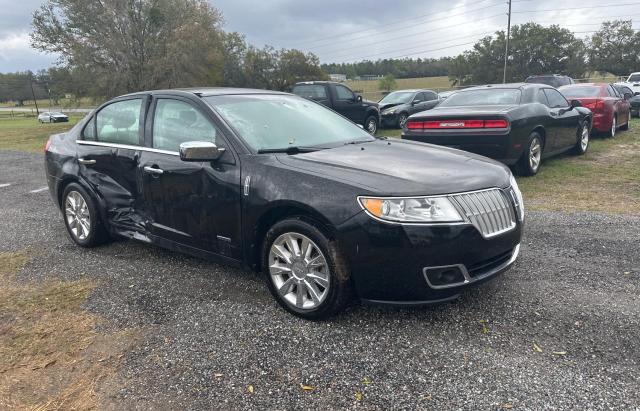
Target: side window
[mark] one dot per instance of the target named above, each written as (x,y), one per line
(612,92)
(177,122)
(542,98)
(119,122)
(89,132)
(344,93)
(429,96)
(556,100)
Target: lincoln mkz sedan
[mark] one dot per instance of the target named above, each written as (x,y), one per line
(289,188)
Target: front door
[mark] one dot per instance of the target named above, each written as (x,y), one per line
(347,104)
(195,204)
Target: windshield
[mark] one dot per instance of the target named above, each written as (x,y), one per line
(397,97)
(634,77)
(580,91)
(271,121)
(484,97)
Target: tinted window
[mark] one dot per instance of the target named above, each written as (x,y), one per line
(634,78)
(119,122)
(580,91)
(483,97)
(89,132)
(556,100)
(278,121)
(344,93)
(542,98)
(429,95)
(176,122)
(311,91)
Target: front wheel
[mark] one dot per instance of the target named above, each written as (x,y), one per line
(583,139)
(304,270)
(371,124)
(402,119)
(529,163)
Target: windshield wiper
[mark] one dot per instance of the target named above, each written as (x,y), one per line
(357,142)
(290,150)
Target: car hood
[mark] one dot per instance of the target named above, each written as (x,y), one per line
(402,168)
(464,111)
(386,106)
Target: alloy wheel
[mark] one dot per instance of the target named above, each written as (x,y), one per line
(299,271)
(614,126)
(535,154)
(372,126)
(402,120)
(584,138)
(77,214)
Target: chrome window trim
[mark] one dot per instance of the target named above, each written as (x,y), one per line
(126,146)
(467,277)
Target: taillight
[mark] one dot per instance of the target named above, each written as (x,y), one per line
(456,124)
(593,104)
(47,145)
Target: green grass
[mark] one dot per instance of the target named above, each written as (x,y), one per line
(44,104)
(27,134)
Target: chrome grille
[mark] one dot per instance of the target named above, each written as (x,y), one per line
(490,211)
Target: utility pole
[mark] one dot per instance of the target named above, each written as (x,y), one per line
(34,94)
(506,48)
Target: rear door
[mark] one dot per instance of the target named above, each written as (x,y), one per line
(108,156)
(620,105)
(565,119)
(196,204)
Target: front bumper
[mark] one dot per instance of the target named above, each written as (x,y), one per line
(397,264)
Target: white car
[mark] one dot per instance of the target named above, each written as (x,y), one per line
(52,117)
(633,82)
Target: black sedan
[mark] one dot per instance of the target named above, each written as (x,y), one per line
(398,105)
(290,189)
(517,124)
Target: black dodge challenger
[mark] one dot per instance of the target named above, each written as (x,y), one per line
(517,124)
(291,189)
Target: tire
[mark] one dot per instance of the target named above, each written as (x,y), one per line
(94,233)
(313,297)
(526,166)
(614,126)
(371,124)
(402,119)
(582,144)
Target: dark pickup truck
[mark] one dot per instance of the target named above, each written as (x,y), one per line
(341,99)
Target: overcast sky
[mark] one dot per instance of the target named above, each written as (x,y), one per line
(347,30)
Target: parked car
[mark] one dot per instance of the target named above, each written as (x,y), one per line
(553,80)
(343,100)
(610,110)
(633,82)
(290,189)
(52,117)
(634,101)
(398,105)
(517,124)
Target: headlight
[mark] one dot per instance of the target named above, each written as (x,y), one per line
(517,197)
(412,210)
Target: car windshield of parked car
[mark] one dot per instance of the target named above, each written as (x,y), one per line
(484,97)
(397,97)
(268,121)
(634,77)
(580,91)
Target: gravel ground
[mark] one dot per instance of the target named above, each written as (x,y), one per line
(210,331)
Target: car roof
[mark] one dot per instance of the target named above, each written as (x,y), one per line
(547,75)
(208,91)
(520,86)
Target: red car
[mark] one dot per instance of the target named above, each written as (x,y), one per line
(611,111)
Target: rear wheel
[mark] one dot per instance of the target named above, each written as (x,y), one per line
(402,119)
(302,273)
(371,124)
(81,217)
(626,125)
(583,139)
(529,163)
(614,127)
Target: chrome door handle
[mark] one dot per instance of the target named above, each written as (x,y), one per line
(86,162)
(153,170)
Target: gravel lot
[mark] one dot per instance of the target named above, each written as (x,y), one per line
(561,330)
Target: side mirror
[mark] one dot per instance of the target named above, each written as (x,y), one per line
(628,96)
(359,98)
(200,151)
(575,103)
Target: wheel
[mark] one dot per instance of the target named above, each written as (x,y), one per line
(371,124)
(402,119)
(301,270)
(81,217)
(583,139)
(529,163)
(614,127)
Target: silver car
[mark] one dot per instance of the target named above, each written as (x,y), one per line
(53,117)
